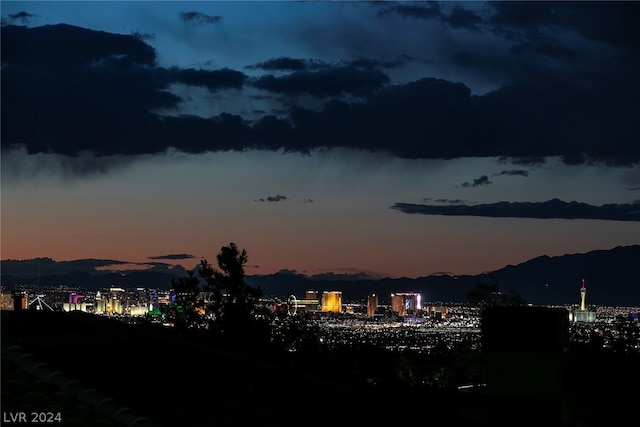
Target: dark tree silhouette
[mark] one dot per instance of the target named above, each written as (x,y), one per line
(488,294)
(188,306)
(232,302)
(186,289)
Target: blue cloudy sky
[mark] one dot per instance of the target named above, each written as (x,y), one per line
(390,138)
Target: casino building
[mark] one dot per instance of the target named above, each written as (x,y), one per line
(332,301)
(406,303)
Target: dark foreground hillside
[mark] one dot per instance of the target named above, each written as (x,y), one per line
(96,371)
(111,373)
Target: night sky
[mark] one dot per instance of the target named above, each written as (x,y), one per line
(389,138)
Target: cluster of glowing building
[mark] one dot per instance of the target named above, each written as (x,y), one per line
(141,301)
(403,305)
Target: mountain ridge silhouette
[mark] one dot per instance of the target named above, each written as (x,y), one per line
(612,278)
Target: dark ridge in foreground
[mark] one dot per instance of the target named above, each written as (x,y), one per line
(96,371)
(173,378)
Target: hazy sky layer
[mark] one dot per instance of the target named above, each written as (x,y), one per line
(391,138)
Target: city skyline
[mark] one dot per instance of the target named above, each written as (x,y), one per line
(390,139)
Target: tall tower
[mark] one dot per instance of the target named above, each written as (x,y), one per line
(582,314)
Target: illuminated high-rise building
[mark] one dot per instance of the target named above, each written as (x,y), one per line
(153,299)
(138,302)
(116,302)
(75,303)
(100,304)
(372,305)
(332,301)
(405,303)
(309,304)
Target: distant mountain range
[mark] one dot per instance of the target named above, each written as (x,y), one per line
(612,277)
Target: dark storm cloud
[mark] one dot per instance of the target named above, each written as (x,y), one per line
(607,22)
(172,256)
(77,83)
(426,116)
(457,17)
(429,10)
(325,82)
(463,18)
(545,210)
(72,91)
(549,49)
(519,172)
(483,180)
(66,46)
(558,32)
(287,64)
(297,64)
(199,18)
(213,80)
(376,63)
(544,28)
